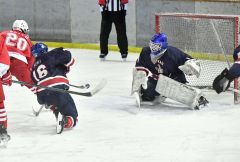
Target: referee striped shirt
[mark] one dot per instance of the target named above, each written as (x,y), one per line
(113,5)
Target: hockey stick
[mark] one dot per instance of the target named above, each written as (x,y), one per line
(36,113)
(90,93)
(84,86)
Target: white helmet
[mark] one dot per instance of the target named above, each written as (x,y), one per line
(20,25)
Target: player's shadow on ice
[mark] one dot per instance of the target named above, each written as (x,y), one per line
(166,106)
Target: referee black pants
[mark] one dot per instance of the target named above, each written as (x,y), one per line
(118,18)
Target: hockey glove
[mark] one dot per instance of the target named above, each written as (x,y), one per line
(191,67)
(7,79)
(222,82)
(124,1)
(140,78)
(102,2)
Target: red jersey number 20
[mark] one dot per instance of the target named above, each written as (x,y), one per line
(13,40)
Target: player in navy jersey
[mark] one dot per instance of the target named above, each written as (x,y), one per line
(160,58)
(50,69)
(222,82)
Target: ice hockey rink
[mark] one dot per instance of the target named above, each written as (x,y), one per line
(112,129)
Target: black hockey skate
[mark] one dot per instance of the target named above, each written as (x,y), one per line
(202,102)
(64,122)
(4,137)
(61,121)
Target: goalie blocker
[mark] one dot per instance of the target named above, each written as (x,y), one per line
(180,92)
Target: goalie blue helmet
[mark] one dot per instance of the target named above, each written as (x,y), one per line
(158,44)
(39,49)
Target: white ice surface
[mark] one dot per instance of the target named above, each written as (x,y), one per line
(112,129)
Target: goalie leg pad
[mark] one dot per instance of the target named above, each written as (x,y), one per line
(179,92)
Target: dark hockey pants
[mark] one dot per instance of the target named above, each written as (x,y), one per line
(63,101)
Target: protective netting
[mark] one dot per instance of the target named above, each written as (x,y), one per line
(206,37)
(209,70)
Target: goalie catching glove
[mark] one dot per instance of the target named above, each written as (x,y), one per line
(191,67)
(222,82)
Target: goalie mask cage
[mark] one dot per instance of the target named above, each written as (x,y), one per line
(210,38)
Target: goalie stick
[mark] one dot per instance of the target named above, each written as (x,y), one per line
(90,93)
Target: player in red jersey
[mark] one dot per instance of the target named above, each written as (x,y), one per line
(5,79)
(19,46)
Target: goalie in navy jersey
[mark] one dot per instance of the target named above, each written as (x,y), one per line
(49,70)
(222,82)
(161,59)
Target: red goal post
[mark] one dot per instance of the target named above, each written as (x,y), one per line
(209,37)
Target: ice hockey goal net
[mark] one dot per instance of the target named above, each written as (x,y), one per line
(210,38)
